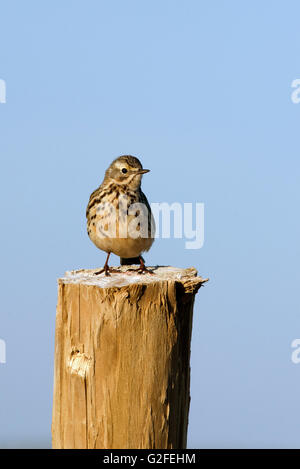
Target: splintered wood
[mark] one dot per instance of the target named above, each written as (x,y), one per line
(122,353)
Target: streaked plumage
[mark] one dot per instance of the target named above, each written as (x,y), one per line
(122,182)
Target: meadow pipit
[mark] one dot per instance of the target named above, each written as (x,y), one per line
(119,218)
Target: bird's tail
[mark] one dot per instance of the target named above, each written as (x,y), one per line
(130,260)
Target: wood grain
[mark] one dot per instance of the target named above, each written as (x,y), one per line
(122,353)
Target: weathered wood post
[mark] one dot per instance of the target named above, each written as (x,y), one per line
(122,352)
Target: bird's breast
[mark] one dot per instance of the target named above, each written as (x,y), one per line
(116,224)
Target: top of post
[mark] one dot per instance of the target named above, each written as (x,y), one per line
(128,276)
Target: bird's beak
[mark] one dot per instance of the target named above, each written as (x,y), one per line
(142,171)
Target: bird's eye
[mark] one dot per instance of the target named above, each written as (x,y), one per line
(124,170)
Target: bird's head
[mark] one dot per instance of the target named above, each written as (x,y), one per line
(126,170)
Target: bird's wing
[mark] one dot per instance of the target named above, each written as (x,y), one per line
(94,198)
(151,222)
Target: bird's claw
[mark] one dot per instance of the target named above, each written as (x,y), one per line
(107,271)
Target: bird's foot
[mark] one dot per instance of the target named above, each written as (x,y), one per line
(139,271)
(142,269)
(107,271)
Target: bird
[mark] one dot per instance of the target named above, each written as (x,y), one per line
(119,217)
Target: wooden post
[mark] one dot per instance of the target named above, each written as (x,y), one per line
(122,352)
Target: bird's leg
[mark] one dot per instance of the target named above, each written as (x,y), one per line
(106,269)
(143,269)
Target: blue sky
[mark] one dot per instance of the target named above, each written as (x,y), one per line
(200,91)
